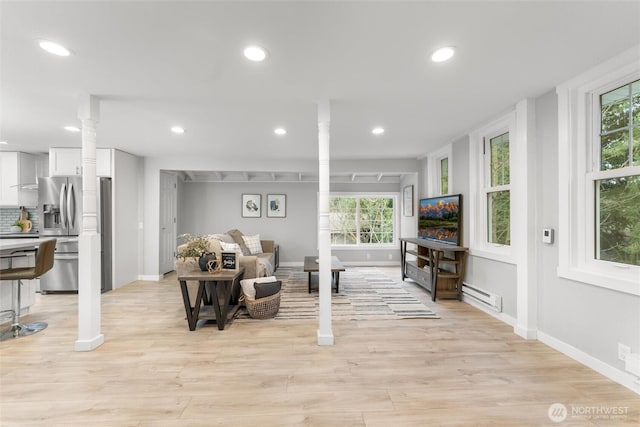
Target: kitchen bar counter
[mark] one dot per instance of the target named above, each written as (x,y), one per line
(21,235)
(21,243)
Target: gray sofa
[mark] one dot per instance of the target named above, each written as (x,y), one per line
(255,265)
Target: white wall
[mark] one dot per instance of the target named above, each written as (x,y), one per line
(591,319)
(409,224)
(153,166)
(125,231)
(584,321)
(208,208)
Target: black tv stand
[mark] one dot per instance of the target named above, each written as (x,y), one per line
(438,267)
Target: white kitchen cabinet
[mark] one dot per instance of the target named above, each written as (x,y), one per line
(18,179)
(68,161)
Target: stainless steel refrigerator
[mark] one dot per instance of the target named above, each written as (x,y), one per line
(60,206)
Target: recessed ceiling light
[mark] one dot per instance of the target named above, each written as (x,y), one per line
(377,131)
(54,48)
(443,54)
(72,128)
(280,131)
(177,129)
(3,142)
(255,53)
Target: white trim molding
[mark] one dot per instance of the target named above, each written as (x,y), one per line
(434,170)
(614,374)
(576,163)
(477,203)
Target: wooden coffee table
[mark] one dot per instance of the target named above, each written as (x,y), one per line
(214,297)
(311,266)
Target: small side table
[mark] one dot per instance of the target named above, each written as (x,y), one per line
(214,296)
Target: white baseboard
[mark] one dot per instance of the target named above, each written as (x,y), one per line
(527,334)
(150,277)
(614,374)
(511,321)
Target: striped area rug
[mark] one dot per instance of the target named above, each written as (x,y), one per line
(366,293)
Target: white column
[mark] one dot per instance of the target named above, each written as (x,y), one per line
(325,334)
(89,313)
(526,222)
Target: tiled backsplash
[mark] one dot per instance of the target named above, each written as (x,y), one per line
(9,215)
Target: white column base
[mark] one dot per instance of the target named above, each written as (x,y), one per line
(89,295)
(325,339)
(527,334)
(88,345)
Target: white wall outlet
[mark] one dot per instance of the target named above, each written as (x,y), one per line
(547,235)
(632,364)
(368,256)
(390,256)
(623,351)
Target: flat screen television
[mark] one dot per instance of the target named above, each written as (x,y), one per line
(440,219)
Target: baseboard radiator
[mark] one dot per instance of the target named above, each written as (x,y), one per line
(483,297)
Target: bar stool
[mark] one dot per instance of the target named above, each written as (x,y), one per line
(44,262)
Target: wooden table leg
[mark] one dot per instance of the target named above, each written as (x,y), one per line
(309,282)
(216,303)
(337,281)
(434,271)
(226,300)
(192,312)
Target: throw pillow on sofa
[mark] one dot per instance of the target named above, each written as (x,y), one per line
(232,247)
(248,288)
(236,235)
(266,289)
(253,243)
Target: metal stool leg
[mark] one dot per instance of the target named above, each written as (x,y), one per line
(18,329)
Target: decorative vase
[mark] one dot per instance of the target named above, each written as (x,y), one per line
(208,262)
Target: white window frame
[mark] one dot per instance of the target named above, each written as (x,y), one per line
(480,179)
(578,169)
(488,188)
(396,221)
(435,172)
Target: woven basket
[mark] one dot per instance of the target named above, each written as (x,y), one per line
(263,308)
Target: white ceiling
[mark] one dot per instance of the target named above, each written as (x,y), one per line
(158,64)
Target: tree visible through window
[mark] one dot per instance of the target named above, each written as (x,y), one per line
(444,176)
(618,195)
(356,220)
(498,191)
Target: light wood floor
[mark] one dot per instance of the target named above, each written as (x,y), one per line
(463,369)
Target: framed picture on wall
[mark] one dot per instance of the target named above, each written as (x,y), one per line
(251,205)
(407,200)
(276,205)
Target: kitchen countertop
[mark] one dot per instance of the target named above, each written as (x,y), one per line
(10,244)
(19,235)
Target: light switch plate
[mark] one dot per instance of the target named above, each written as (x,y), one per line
(547,235)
